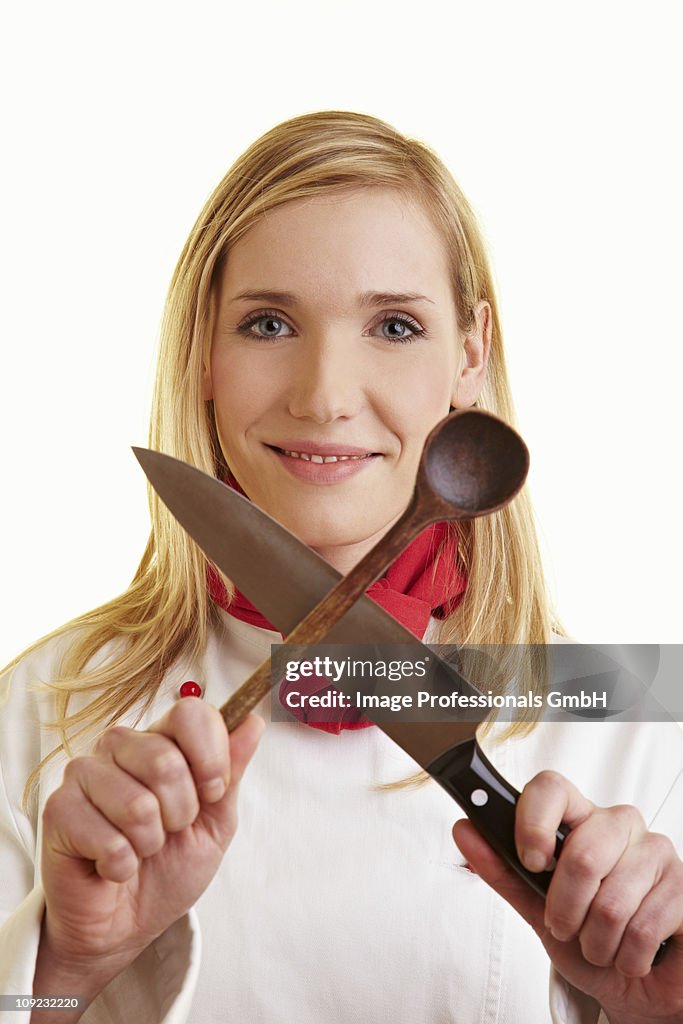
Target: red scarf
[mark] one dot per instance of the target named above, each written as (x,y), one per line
(424,580)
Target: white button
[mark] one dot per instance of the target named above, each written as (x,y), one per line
(479,797)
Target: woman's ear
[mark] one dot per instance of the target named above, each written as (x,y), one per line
(476,345)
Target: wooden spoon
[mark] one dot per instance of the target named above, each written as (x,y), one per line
(472,464)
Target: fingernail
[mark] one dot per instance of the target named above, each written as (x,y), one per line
(532,859)
(211,792)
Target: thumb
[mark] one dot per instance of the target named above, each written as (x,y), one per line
(222,815)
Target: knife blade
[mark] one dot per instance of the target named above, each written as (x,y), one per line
(285,579)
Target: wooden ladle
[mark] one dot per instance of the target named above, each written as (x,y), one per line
(472,464)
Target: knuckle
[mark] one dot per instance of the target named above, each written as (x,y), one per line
(117,862)
(642,933)
(628,815)
(548,778)
(117,849)
(609,912)
(79,766)
(53,809)
(167,767)
(182,710)
(582,863)
(142,810)
(661,845)
(111,738)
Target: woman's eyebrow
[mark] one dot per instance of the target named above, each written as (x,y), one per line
(364,299)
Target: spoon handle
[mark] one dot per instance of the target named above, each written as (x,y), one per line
(346,592)
(247,696)
(317,624)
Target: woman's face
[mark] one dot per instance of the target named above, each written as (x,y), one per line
(335,350)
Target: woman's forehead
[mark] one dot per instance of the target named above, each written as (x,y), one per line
(351,208)
(361,244)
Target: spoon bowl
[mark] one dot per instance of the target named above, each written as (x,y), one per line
(472,465)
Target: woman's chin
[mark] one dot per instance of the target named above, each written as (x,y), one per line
(339,544)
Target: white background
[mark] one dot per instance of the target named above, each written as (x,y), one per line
(562,125)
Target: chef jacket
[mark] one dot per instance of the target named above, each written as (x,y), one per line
(336,901)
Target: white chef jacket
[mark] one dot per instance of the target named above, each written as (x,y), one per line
(335,903)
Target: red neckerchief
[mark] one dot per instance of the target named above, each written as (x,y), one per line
(424,580)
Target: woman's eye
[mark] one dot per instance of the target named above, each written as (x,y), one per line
(395,327)
(400,328)
(269,326)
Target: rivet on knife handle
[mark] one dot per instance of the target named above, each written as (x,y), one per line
(490,803)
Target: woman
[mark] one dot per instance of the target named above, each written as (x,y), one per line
(332,303)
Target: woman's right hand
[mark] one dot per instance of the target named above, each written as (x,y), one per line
(134,835)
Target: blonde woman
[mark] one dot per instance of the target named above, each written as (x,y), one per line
(333,302)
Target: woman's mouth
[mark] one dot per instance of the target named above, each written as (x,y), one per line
(323,464)
(321,459)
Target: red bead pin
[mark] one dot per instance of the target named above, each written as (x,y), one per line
(190,689)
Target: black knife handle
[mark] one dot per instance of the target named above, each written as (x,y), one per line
(489,801)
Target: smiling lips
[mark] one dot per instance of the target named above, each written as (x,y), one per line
(322,463)
(314,457)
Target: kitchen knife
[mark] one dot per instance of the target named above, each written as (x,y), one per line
(285,579)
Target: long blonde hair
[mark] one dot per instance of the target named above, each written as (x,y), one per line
(166,613)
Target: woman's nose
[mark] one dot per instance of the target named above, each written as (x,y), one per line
(327,381)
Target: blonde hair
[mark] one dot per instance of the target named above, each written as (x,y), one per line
(166,613)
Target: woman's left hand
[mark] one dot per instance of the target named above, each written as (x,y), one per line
(615,895)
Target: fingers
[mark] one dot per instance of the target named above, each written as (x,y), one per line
(591,853)
(152,767)
(545,802)
(118,806)
(617,900)
(638,906)
(616,891)
(658,917)
(126,804)
(220,818)
(181,761)
(74,828)
(199,732)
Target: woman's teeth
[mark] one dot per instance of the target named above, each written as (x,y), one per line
(321,458)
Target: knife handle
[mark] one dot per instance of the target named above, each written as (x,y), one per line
(490,802)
